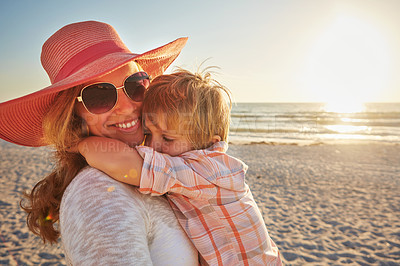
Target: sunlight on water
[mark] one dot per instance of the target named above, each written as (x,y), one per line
(344,109)
(315,122)
(351,120)
(349,138)
(347,128)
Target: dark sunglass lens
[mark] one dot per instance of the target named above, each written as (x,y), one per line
(99,98)
(136,84)
(135,90)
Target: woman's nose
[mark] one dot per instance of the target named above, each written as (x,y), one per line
(125,104)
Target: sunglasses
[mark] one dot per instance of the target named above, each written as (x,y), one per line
(99,98)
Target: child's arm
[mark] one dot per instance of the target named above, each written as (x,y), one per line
(114,158)
(201,175)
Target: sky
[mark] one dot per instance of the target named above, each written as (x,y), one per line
(267,50)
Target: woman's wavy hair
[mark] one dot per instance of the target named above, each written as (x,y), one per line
(63,129)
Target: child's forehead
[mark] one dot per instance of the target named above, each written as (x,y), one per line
(162,121)
(157,119)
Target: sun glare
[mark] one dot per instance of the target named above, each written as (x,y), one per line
(344,106)
(346,128)
(347,65)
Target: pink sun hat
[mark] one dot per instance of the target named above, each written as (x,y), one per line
(74,55)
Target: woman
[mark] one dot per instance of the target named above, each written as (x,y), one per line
(97,89)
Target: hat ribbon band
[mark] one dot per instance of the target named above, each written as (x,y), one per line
(87,56)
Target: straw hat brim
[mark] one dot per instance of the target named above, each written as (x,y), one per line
(21,118)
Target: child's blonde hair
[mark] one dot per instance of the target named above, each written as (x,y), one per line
(192,103)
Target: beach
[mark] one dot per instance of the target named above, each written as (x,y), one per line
(327,204)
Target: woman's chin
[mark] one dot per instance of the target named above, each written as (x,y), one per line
(131,136)
(131,140)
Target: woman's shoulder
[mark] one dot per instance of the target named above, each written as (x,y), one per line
(88,172)
(89,175)
(88,183)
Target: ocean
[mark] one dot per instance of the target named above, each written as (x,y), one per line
(314,123)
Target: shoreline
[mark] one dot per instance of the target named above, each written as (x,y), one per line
(313,142)
(326,204)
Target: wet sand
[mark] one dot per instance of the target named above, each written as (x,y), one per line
(323,204)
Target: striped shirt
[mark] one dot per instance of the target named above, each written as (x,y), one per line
(213,204)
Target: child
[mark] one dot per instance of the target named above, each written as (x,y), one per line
(186,120)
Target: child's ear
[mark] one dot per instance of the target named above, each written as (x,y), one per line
(215,139)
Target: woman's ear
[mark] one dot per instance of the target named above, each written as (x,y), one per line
(215,139)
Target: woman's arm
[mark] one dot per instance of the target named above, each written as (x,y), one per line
(114,158)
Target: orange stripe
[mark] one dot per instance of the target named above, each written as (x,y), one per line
(212,155)
(201,217)
(254,225)
(214,229)
(238,213)
(193,208)
(237,235)
(219,200)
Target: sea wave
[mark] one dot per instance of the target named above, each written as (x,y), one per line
(266,122)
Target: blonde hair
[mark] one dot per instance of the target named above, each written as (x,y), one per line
(62,129)
(194,103)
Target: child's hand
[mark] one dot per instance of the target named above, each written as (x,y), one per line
(113,157)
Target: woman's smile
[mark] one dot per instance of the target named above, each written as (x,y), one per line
(127,125)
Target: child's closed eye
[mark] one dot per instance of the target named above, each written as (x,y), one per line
(168,139)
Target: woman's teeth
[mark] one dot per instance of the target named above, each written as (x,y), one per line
(126,125)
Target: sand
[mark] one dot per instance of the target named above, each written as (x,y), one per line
(323,204)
